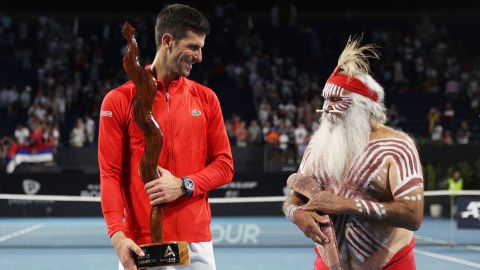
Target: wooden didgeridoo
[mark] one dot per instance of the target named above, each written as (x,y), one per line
(146,87)
(308,187)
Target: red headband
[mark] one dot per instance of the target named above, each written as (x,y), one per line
(351,84)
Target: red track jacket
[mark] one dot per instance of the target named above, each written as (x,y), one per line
(195,145)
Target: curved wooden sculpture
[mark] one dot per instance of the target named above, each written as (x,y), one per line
(146,86)
(143,117)
(308,187)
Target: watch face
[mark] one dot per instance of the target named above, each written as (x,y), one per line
(189,184)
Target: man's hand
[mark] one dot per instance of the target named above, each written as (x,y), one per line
(309,222)
(123,247)
(327,202)
(165,189)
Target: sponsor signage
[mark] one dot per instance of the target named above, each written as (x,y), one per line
(468,212)
(253,185)
(88,184)
(66,183)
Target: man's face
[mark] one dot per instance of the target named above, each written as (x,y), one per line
(186,52)
(336,104)
(343,133)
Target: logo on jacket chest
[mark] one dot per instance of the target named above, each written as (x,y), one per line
(196,113)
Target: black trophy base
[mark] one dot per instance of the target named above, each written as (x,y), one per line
(161,254)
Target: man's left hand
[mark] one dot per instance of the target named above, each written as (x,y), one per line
(326,202)
(164,189)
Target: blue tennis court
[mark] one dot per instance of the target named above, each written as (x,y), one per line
(227,258)
(241,243)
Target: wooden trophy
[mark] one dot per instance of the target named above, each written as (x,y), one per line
(308,187)
(158,253)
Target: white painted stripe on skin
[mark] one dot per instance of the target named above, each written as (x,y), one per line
(408,150)
(408,191)
(446,258)
(361,252)
(356,253)
(372,158)
(406,181)
(364,242)
(405,156)
(21,232)
(389,147)
(377,210)
(366,206)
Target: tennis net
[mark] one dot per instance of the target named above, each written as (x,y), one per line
(76,221)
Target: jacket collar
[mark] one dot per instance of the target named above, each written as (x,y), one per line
(174,85)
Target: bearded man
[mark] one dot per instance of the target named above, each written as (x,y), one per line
(358,193)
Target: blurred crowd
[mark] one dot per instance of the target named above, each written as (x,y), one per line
(430,74)
(267,69)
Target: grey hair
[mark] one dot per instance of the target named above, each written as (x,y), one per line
(353,61)
(376,110)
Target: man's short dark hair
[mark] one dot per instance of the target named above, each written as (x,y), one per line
(177,19)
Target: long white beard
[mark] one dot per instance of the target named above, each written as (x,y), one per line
(339,141)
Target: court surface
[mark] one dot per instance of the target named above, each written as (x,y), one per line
(36,239)
(439,258)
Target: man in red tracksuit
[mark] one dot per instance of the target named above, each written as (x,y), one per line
(195,159)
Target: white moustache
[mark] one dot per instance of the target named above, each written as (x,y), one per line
(328,111)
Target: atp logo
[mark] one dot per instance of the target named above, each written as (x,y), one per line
(468,212)
(169,252)
(473,209)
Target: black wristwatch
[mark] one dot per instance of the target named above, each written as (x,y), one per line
(188,186)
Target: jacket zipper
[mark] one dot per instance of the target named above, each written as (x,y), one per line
(172,155)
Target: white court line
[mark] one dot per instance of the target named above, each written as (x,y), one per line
(443,242)
(477,248)
(446,258)
(431,240)
(20,232)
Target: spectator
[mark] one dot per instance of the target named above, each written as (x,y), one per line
(90,129)
(301,135)
(273,137)
(455,185)
(77,135)
(22,134)
(36,137)
(448,116)
(241,134)
(455,182)
(463,133)
(452,89)
(68,67)
(264,111)
(283,142)
(254,132)
(26,98)
(447,137)
(5,144)
(436,135)
(52,136)
(11,98)
(433,117)
(235,123)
